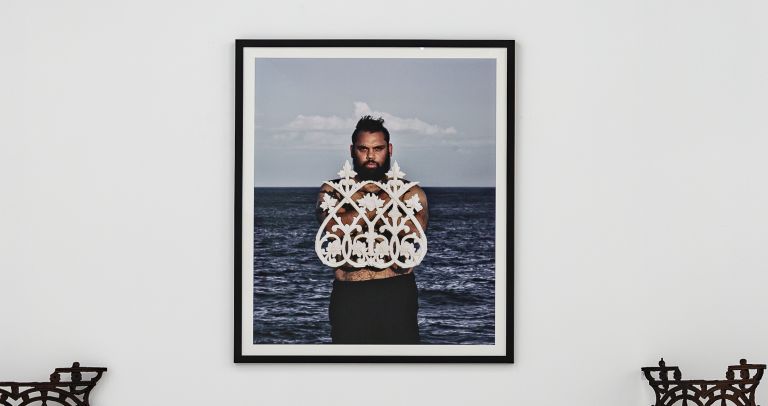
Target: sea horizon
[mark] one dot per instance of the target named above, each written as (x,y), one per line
(456,279)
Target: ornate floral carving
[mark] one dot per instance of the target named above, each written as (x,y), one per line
(382,232)
(71,390)
(730,392)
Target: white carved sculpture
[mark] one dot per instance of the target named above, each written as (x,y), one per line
(381,241)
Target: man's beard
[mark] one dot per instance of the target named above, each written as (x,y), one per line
(376,174)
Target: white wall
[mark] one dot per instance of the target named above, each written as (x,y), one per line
(641,211)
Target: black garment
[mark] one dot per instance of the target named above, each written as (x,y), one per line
(379,311)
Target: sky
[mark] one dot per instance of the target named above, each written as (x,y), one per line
(440,114)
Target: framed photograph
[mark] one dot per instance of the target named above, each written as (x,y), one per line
(374,201)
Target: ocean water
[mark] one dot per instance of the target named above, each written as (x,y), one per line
(455,280)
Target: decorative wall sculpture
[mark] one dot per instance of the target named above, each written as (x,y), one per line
(74,390)
(733,391)
(384,230)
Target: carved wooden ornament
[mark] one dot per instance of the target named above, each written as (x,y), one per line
(733,391)
(67,387)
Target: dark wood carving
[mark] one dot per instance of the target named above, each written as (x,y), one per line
(733,391)
(67,387)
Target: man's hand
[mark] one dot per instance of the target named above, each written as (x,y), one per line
(321,211)
(422,215)
(327,197)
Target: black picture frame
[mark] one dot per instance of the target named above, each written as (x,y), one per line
(243,353)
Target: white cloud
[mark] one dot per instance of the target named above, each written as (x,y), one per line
(393,123)
(320,123)
(334,132)
(308,140)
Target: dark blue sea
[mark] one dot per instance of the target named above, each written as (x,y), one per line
(292,287)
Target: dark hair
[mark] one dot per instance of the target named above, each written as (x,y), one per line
(368,124)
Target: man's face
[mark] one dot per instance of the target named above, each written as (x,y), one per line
(370,154)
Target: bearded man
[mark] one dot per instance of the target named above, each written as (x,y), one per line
(371,305)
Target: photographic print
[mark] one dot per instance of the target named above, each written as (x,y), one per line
(373,197)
